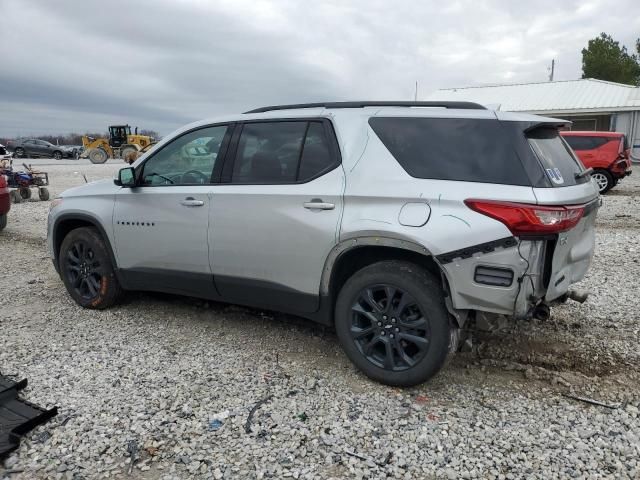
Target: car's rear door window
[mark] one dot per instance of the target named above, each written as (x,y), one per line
(558,160)
(316,153)
(279,152)
(470,150)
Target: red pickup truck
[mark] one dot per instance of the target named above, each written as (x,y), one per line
(5,201)
(606,152)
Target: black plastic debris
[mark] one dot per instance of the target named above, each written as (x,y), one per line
(17,416)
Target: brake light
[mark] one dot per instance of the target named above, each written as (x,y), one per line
(528,219)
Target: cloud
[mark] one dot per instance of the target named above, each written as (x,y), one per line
(159,64)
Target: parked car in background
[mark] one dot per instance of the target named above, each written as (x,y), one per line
(608,153)
(397,225)
(33,147)
(5,201)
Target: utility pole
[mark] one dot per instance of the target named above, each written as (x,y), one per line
(415,96)
(553,67)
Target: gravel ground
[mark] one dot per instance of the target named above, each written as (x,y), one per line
(171,382)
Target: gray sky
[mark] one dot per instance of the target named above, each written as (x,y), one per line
(80,66)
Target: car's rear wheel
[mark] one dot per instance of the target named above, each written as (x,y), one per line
(3,221)
(604,180)
(393,324)
(57,155)
(87,270)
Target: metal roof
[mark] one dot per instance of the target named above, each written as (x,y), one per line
(580,96)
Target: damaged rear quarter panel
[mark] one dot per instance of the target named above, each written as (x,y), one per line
(450,226)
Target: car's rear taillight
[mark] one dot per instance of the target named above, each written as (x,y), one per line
(528,219)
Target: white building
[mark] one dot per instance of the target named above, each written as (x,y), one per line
(590,104)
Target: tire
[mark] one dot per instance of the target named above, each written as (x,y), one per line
(57,155)
(363,321)
(15,196)
(3,221)
(86,269)
(43,193)
(18,152)
(126,151)
(25,193)
(604,180)
(98,155)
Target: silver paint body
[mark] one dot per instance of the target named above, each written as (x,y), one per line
(268,233)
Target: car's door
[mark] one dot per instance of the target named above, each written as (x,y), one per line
(161,226)
(30,148)
(46,148)
(276,220)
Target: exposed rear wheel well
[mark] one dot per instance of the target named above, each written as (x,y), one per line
(357,258)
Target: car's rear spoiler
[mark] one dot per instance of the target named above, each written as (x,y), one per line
(547,124)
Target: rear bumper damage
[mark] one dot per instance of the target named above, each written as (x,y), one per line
(513,280)
(506,278)
(520,277)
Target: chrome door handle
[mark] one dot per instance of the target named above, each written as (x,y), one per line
(318,205)
(191,202)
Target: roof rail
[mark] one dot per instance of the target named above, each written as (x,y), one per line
(458,105)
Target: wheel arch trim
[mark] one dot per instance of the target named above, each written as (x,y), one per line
(83,217)
(361,241)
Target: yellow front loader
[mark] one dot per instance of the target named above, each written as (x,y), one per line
(120,144)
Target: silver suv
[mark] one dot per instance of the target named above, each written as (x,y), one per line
(396,222)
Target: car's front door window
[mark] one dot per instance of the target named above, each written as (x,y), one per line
(187,160)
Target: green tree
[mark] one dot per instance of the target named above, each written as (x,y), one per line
(605,59)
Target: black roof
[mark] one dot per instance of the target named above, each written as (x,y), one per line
(457,105)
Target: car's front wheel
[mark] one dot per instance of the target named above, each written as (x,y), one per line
(87,270)
(604,180)
(393,324)
(18,153)
(57,155)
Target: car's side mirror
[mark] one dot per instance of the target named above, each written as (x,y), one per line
(126,177)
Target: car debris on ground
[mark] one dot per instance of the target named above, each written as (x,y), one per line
(17,416)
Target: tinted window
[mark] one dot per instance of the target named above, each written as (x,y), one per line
(187,160)
(469,150)
(316,155)
(556,157)
(585,143)
(269,152)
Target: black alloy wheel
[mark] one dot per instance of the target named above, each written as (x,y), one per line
(87,269)
(389,328)
(393,324)
(83,270)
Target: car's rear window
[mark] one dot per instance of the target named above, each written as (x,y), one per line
(470,150)
(558,160)
(585,143)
